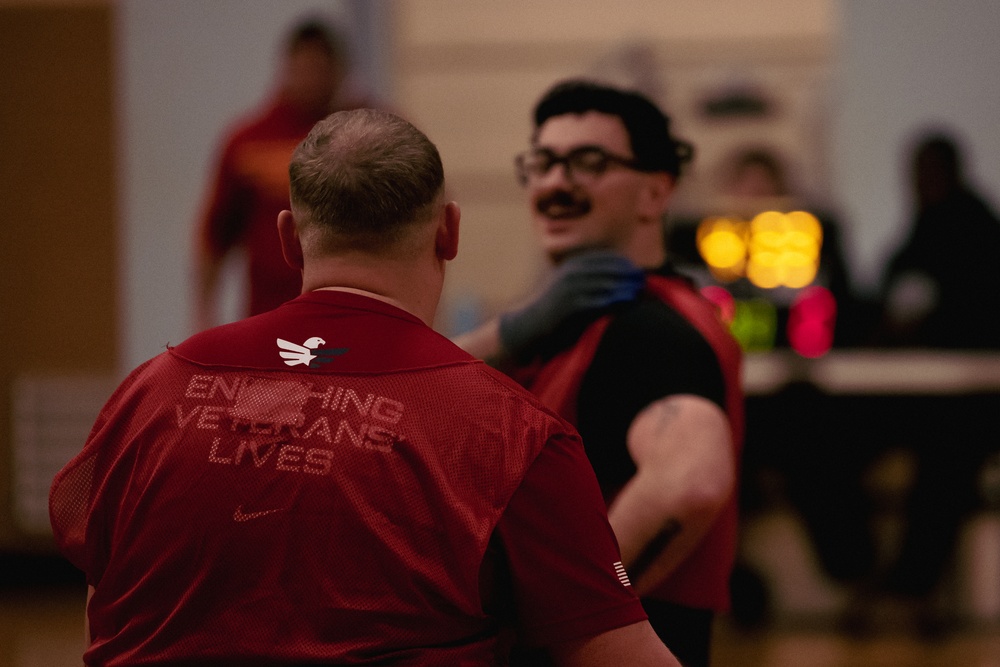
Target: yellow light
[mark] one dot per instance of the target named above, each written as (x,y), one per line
(798,273)
(767,221)
(766,240)
(783,249)
(763,270)
(774,249)
(802,242)
(723,249)
(807,223)
(721,243)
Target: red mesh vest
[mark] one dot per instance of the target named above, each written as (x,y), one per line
(230,508)
(703,580)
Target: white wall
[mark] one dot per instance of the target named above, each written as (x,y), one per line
(905,65)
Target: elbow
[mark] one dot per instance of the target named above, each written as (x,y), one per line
(709,496)
(710,501)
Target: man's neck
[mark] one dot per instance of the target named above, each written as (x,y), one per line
(415,291)
(646,248)
(372,295)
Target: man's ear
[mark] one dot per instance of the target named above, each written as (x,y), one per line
(291,246)
(656,195)
(446,240)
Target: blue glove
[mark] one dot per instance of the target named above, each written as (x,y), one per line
(583,284)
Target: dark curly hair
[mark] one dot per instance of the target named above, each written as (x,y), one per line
(654,147)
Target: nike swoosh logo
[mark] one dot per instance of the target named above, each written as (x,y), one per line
(240,515)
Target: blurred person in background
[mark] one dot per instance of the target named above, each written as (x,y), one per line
(939,292)
(250,184)
(627,350)
(940,286)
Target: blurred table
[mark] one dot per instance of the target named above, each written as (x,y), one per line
(876,372)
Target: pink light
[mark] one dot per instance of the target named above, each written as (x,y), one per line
(811,321)
(723,300)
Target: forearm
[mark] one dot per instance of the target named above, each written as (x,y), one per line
(636,645)
(686,475)
(658,530)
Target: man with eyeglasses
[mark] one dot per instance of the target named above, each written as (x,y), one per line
(629,352)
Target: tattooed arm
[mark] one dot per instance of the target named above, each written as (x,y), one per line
(686,471)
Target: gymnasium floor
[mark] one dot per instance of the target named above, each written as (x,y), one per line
(824,648)
(41,626)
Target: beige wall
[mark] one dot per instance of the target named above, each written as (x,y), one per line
(469,72)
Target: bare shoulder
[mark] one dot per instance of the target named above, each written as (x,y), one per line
(681,420)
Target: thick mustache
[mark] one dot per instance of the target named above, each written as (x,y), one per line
(562,199)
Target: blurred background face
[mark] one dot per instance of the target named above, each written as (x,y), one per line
(755,179)
(312,77)
(574,211)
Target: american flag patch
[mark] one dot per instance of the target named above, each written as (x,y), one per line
(622,575)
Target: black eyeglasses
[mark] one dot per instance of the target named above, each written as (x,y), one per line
(584,162)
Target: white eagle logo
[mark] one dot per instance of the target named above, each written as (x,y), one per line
(309,353)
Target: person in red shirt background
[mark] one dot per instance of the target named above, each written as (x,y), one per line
(250,186)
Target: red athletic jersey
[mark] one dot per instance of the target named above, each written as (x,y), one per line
(249,190)
(702,581)
(333,482)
